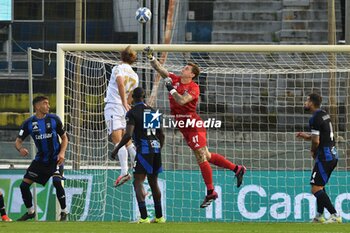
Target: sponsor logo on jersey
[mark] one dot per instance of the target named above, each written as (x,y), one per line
(43,136)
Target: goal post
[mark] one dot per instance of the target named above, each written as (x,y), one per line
(255,91)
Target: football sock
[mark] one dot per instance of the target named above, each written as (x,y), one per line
(132,152)
(30,210)
(221,161)
(323,198)
(123,160)
(320,206)
(207,174)
(60,193)
(142,209)
(2,206)
(158,209)
(26,194)
(210,191)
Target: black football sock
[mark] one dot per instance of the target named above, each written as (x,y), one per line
(60,193)
(2,206)
(323,198)
(26,194)
(158,209)
(143,209)
(320,205)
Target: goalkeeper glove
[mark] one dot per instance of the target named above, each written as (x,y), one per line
(149,52)
(169,85)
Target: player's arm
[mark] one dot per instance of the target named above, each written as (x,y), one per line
(19,147)
(155,63)
(129,100)
(180,99)
(121,90)
(315,141)
(23,133)
(64,144)
(125,139)
(160,135)
(304,135)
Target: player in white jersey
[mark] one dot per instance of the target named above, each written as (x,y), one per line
(121,85)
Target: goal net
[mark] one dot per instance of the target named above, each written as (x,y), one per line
(256,92)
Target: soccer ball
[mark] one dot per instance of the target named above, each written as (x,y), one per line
(143,15)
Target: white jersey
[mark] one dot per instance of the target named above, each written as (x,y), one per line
(131,81)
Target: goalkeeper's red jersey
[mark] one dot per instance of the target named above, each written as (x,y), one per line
(195,136)
(191,88)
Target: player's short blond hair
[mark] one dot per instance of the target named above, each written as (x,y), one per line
(128,55)
(195,69)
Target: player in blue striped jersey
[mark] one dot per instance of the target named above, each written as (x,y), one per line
(325,155)
(46,130)
(148,161)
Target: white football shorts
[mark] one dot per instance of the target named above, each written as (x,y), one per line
(115,117)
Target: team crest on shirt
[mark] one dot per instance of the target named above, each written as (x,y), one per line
(35,126)
(48,125)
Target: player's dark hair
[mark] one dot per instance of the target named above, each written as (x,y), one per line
(195,69)
(38,99)
(138,94)
(128,55)
(316,99)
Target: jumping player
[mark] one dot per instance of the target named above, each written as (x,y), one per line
(121,84)
(183,98)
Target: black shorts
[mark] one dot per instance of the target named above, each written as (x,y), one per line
(322,172)
(148,164)
(41,173)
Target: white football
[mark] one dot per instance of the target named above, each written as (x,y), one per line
(143,15)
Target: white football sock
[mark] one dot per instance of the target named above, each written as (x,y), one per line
(31,210)
(132,152)
(123,160)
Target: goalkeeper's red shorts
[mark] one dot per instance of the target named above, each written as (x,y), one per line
(195,137)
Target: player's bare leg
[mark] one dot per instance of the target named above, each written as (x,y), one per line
(124,176)
(153,183)
(207,173)
(221,161)
(140,197)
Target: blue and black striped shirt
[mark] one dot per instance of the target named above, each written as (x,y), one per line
(321,125)
(45,134)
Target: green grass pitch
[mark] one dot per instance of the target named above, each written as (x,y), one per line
(212,227)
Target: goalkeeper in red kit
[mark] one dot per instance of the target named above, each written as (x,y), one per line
(183,98)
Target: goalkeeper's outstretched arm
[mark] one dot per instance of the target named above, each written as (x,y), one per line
(155,63)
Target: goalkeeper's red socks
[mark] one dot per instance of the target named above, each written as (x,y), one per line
(221,161)
(207,174)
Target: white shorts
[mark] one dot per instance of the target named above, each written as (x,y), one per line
(115,117)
